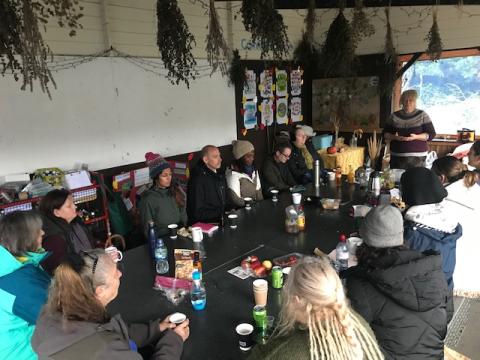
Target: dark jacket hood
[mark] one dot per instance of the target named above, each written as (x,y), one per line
(410,278)
(53,334)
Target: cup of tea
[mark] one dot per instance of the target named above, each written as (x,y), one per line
(260,292)
(245,339)
(248,202)
(296,198)
(274,193)
(177,318)
(172,230)
(232,221)
(197,234)
(114,253)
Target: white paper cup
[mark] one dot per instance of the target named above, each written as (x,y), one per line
(177,318)
(296,198)
(232,221)
(244,332)
(197,235)
(352,244)
(331,176)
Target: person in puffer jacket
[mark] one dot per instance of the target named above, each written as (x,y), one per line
(428,224)
(400,292)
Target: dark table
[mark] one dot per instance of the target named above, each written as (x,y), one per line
(261,232)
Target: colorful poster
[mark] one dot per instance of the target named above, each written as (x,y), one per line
(266,82)
(250,114)
(296,82)
(282,111)
(281,83)
(296,109)
(250,86)
(267,112)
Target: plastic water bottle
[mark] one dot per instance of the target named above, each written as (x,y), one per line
(198,294)
(342,254)
(152,238)
(161,257)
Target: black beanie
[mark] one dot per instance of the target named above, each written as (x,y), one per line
(420,186)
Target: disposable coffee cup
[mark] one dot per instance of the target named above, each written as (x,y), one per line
(296,198)
(353,243)
(172,229)
(260,292)
(248,202)
(245,338)
(197,234)
(177,318)
(331,176)
(274,193)
(232,221)
(286,272)
(114,253)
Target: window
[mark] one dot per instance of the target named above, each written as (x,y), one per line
(449,91)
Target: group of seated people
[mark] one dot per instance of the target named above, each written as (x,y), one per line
(396,305)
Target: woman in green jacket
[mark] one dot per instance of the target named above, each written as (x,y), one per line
(316,321)
(23,283)
(164,202)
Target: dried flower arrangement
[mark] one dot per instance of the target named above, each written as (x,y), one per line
(267,27)
(175,43)
(435,46)
(22,49)
(361,26)
(217,50)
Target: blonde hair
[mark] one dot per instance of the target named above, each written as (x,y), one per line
(412,94)
(72,292)
(313,296)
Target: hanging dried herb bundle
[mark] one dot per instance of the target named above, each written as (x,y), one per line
(338,51)
(435,46)
(390,53)
(267,27)
(217,49)
(236,71)
(306,52)
(22,49)
(175,43)
(361,26)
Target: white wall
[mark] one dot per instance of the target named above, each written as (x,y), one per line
(108,113)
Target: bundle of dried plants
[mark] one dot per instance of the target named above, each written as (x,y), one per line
(435,46)
(236,72)
(306,52)
(217,50)
(361,26)
(390,52)
(374,148)
(175,43)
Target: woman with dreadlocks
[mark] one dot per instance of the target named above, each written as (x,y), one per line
(316,321)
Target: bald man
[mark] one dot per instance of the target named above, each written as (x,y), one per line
(206,188)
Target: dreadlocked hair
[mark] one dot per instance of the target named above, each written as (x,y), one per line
(313,298)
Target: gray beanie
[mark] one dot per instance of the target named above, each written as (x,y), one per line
(241,148)
(383,227)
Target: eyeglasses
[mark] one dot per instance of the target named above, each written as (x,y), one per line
(286,156)
(94,257)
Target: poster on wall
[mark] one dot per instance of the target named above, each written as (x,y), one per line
(281,83)
(282,111)
(296,82)
(355,101)
(250,86)
(250,114)
(267,112)
(296,109)
(266,82)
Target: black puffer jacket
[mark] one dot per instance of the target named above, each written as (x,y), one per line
(403,299)
(206,194)
(298,167)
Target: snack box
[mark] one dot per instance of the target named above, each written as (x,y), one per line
(287,260)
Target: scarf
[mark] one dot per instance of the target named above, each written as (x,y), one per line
(249,170)
(307,156)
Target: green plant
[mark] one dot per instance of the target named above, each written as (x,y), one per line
(175,43)
(217,50)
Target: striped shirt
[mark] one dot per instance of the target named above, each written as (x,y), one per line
(417,122)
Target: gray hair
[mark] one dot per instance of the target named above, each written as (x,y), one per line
(19,231)
(412,93)
(98,276)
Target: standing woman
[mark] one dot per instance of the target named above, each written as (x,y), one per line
(316,321)
(64,231)
(243,179)
(75,323)
(408,131)
(164,202)
(302,160)
(23,283)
